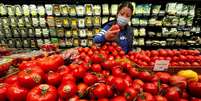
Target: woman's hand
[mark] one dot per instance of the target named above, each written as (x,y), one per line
(112,33)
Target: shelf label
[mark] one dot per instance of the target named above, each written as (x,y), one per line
(161,65)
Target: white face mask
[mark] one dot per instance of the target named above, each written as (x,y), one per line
(122,21)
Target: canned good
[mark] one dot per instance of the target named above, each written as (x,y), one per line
(33,10)
(60,32)
(72,10)
(18,10)
(80,10)
(56,9)
(21,22)
(31,32)
(45,32)
(42,22)
(48,9)
(28,21)
(11,10)
(64,10)
(35,21)
(68,34)
(50,21)
(41,10)
(38,32)
(26,10)
(16,32)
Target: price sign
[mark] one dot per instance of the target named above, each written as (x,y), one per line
(161,65)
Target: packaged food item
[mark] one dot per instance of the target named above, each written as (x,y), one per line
(76,42)
(152,21)
(97,10)
(175,21)
(82,33)
(185,10)
(13,22)
(47,41)
(83,42)
(74,23)
(156,9)
(88,9)
(50,21)
(96,30)
(41,10)
(80,9)
(1,34)
(146,9)
(97,21)
(189,20)
(18,43)
(66,22)
(11,43)
(64,9)
(35,21)
(143,22)
(21,22)
(60,32)
(58,21)
(88,21)
(135,21)
(139,9)
(45,32)
(62,42)
(26,43)
(42,22)
(72,10)
(142,32)
(135,32)
(179,9)
(75,33)
(33,43)
(40,42)
(104,20)
(49,9)
(69,42)
(68,33)
(26,10)
(23,32)
(7,32)
(33,10)
(11,10)
(56,9)
(16,32)
(31,32)
(113,9)
(3,10)
(5,22)
(191,10)
(90,42)
(38,32)
(52,31)
(18,10)
(54,40)
(89,33)
(182,21)
(170,8)
(28,22)
(81,22)
(105,9)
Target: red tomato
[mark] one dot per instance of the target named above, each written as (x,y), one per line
(133,72)
(115,27)
(147,97)
(27,64)
(154,53)
(172,94)
(81,89)
(11,79)
(178,81)
(97,58)
(79,72)
(195,99)
(68,77)
(164,77)
(160,98)
(195,88)
(175,58)
(89,79)
(110,92)
(31,77)
(53,78)
(103,99)
(110,78)
(43,92)
(16,93)
(195,64)
(163,52)
(100,91)
(130,93)
(119,83)
(96,68)
(145,76)
(150,88)
(67,90)
(63,70)
(3,91)
(138,81)
(118,98)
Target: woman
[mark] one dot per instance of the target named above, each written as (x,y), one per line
(118,30)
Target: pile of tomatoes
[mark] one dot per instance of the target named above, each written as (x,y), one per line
(182,57)
(96,76)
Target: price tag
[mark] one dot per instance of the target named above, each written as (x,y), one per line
(161,65)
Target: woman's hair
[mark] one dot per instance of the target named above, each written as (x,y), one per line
(125,4)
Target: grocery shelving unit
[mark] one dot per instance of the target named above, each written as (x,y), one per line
(44,33)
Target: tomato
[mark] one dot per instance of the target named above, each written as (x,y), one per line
(67,90)
(53,78)
(117,71)
(74,98)
(89,79)
(11,79)
(174,64)
(154,53)
(175,58)
(31,77)
(182,58)
(81,89)
(3,90)
(195,88)
(27,64)
(178,81)
(119,83)
(16,93)
(181,63)
(163,76)
(128,80)
(109,79)
(103,99)
(79,72)
(146,97)
(195,99)
(105,73)
(43,92)
(118,98)
(150,88)
(138,81)
(145,76)
(108,64)
(68,77)
(90,53)
(160,98)
(51,63)
(97,58)
(100,91)
(170,52)
(62,70)
(96,68)
(163,52)
(172,94)
(86,49)
(183,100)
(195,64)
(110,92)
(130,93)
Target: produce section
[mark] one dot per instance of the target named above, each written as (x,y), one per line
(47,52)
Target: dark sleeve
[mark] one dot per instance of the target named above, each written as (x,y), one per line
(130,34)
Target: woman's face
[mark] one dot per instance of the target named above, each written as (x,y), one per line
(125,12)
